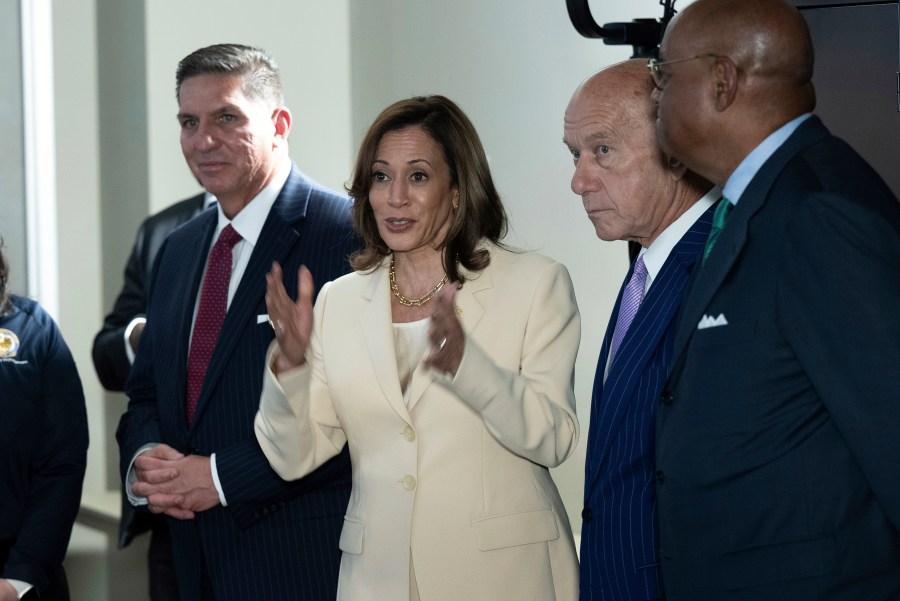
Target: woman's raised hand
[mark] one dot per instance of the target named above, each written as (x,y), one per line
(292,321)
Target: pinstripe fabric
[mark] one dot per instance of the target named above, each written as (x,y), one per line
(619,536)
(275,540)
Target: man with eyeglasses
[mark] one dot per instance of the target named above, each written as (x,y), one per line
(631,191)
(778,438)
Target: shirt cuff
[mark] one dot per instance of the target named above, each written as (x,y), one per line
(215,478)
(129,352)
(131,477)
(21,587)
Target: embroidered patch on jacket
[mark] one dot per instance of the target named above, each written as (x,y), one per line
(9,343)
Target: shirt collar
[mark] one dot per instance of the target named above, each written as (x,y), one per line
(656,254)
(250,220)
(752,163)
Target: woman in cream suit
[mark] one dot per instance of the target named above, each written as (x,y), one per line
(446,362)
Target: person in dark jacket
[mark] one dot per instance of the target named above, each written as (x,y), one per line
(43,443)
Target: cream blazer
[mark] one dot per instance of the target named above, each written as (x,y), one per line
(460,478)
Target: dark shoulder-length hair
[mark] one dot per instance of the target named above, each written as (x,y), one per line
(480,214)
(4,281)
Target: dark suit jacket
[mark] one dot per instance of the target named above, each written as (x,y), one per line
(108,352)
(275,540)
(778,452)
(43,445)
(618,535)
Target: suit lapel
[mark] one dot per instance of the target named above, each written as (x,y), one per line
(733,238)
(189,281)
(278,236)
(613,396)
(376,322)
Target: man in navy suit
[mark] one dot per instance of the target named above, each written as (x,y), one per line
(113,353)
(631,191)
(778,445)
(187,445)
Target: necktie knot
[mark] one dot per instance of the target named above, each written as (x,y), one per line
(640,270)
(229,237)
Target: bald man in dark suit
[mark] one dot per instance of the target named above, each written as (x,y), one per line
(779,436)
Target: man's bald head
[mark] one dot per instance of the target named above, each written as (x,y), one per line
(623,87)
(767,39)
(752,74)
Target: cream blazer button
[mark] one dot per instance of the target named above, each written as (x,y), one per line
(409,434)
(409,482)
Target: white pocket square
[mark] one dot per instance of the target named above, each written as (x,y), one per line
(708,321)
(262,318)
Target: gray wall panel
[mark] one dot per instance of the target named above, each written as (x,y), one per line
(12,167)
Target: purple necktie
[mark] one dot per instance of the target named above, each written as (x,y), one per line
(210,314)
(631,300)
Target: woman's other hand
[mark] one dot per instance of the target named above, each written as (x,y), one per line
(448,341)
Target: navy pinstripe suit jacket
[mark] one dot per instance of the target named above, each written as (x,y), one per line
(276,540)
(619,549)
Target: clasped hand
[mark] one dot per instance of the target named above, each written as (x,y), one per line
(175,484)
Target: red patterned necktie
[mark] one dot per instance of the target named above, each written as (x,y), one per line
(210,314)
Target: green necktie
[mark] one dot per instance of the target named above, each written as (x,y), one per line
(719,217)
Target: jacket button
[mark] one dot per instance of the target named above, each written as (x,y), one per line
(409,482)
(587,514)
(660,476)
(409,434)
(666,398)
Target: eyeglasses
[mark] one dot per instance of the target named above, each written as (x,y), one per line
(657,75)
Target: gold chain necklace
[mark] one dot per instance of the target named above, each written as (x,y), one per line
(413,302)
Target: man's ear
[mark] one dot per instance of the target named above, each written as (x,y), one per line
(282,119)
(677,169)
(725,74)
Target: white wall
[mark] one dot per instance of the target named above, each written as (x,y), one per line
(78,201)
(308,39)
